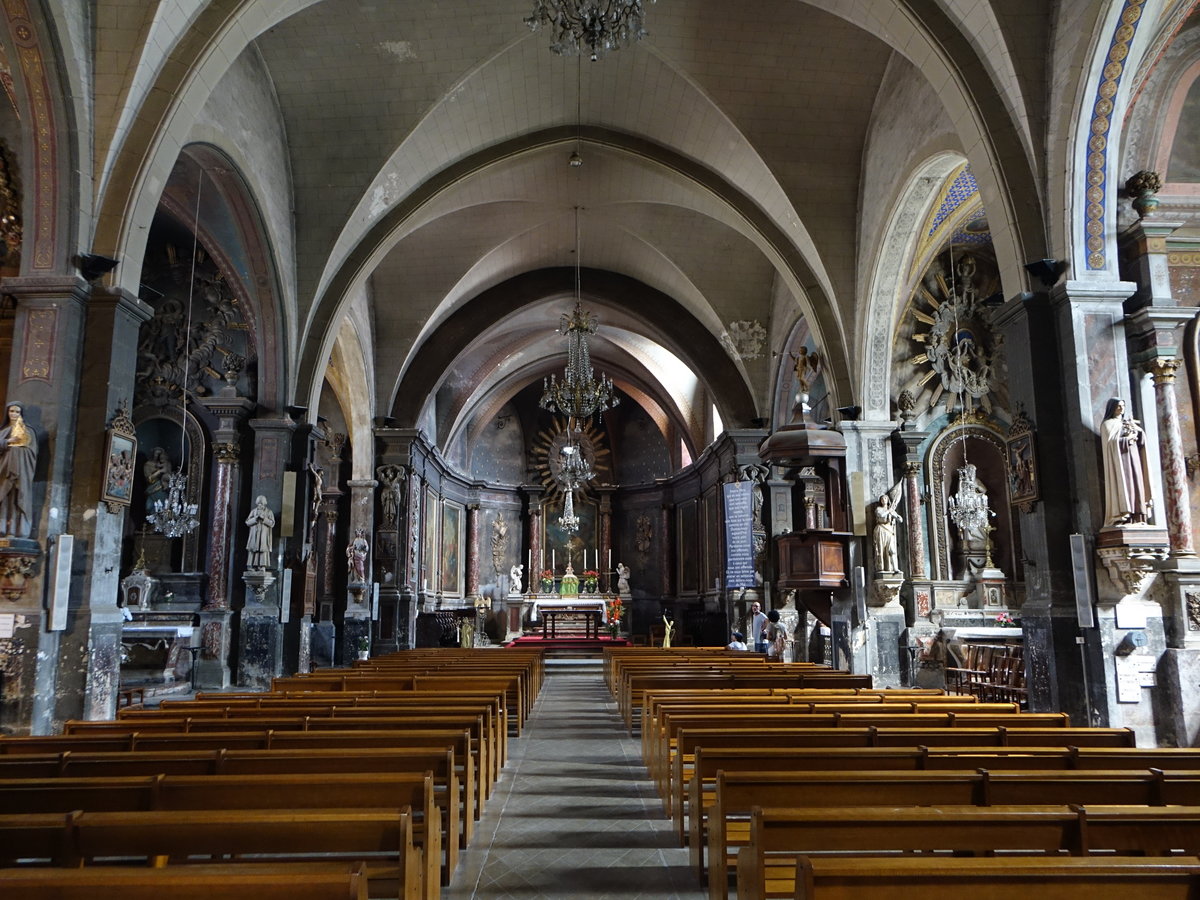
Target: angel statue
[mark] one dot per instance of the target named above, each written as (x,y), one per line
(514,576)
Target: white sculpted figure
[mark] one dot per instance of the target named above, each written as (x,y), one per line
(356,556)
(886,518)
(1126,482)
(514,576)
(623,579)
(261,520)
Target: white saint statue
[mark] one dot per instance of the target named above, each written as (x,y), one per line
(514,577)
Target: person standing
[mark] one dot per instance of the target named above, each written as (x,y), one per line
(776,636)
(756,626)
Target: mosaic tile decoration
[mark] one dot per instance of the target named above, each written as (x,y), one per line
(1095,178)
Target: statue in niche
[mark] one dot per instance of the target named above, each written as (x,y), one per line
(1127,498)
(356,557)
(18,459)
(389,497)
(514,578)
(884,537)
(261,520)
(157,469)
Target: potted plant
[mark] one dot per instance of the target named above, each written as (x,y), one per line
(547,580)
(591,579)
(364,648)
(614,609)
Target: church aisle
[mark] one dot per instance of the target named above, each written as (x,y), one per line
(574,815)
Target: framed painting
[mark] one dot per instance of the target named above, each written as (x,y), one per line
(1024,488)
(430,555)
(120,457)
(452,556)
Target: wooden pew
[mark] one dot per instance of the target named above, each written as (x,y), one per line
(472,771)
(1078,878)
(382,839)
(767,864)
(361,791)
(699,779)
(439,761)
(325,881)
(737,793)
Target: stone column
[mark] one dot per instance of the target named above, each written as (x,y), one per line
(472,593)
(261,629)
(230,410)
(44,375)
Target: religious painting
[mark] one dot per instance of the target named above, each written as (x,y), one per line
(1024,487)
(120,456)
(430,557)
(451,560)
(562,546)
(689,542)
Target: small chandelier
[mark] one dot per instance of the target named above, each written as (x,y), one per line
(575,472)
(602,25)
(175,516)
(969,507)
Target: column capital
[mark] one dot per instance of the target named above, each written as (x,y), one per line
(1153,332)
(362,483)
(1162,369)
(228,451)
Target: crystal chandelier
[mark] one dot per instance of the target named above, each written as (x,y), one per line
(602,25)
(969,507)
(575,472)
(174,516)
(578,395)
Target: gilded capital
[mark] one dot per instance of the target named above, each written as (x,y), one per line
(1162,369)
(226,451)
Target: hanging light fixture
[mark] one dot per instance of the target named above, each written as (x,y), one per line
(578,396)
(173,515)
(601,25)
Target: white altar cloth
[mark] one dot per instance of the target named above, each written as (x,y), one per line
(559,602)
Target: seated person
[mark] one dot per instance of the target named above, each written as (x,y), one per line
(738,642)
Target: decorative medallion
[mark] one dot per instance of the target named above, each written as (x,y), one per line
(548,446)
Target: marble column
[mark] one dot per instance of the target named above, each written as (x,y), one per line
(216,614)
(473,518)
(914,520)
(534,536)
(1179,514)
(666,529)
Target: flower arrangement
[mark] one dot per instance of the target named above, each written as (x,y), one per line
(614,609)
(1004,620)
(590,579)
(547,579)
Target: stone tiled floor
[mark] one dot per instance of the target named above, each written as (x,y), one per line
(574,815)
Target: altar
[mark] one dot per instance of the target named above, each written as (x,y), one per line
(556,601)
